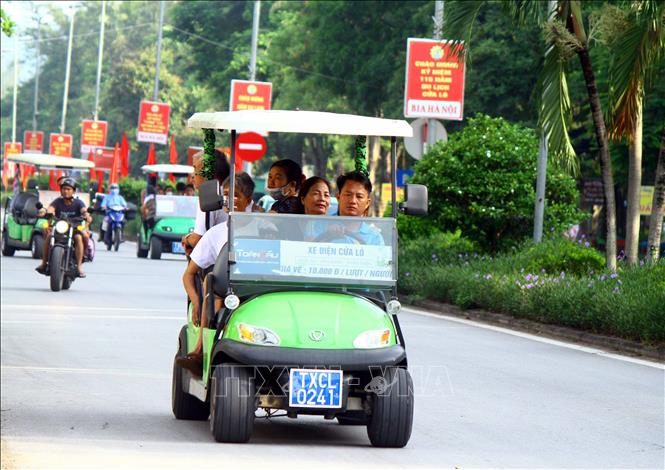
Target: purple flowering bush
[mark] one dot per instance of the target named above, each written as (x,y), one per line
(574,290)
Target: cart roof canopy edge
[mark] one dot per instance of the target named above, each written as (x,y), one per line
(44,160)
(308,122)
(168,168)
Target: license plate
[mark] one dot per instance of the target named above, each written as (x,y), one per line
(176,247)
(312,388)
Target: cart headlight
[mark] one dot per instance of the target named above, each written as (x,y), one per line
(166,228)
(257,335)
(231,302)
(393,307)
(372,339)
(44,224)
(61,226)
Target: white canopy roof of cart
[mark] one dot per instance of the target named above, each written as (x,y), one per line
(44,160)
(168,168)
(307,122)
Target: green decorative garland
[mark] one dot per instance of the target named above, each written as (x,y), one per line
(208,166)
(361,155)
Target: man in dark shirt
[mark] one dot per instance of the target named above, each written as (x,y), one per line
(66,207)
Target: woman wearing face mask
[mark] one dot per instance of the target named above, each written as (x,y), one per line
(284,180)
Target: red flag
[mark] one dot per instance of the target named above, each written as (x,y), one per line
(93,174)
(100,181)
(152,159)
(238,163)
(173,158)
(115,166)
(5,173)
(124,153)
(51,180)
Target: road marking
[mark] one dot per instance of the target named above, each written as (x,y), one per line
(78,307)
(540,339)
(74,370)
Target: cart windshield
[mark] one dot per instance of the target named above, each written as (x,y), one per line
(314,250)
(176,206)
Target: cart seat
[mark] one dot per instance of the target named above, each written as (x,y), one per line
(24,208)
(221,273)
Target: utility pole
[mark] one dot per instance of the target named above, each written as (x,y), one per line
(438,29)
(15,89)
(65,95)
(99,59)
(158,63)
(247,166)
(539,213)
(255,40)
(35,113)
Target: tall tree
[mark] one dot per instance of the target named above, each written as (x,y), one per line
(565,37)
(636,36)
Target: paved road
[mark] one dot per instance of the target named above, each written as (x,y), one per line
(86,383)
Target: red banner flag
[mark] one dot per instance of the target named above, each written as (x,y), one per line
(93,174)
(5,173)
(113,177)
(152,159)
(124,153)
(173,158)
(51,181)
(100,181)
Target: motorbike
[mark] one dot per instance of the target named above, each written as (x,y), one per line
(62,268)
(115,226)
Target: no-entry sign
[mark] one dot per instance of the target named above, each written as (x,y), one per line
(250,146)
(33,141)
(60,145)
(250,95)
(434,80)
(93,134)
(153,122)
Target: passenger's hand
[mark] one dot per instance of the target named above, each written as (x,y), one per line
(195,313)
(42,212)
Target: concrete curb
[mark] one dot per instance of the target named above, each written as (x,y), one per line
(607,343)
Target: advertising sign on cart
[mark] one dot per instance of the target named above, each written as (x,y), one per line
(153,125)
(93,134)
(60,145)
(250,95)
(33,142)
(434,80)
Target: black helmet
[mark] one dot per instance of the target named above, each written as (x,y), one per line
(68,181)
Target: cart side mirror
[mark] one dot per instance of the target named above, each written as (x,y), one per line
(31,209)
(415,200)
(210,196)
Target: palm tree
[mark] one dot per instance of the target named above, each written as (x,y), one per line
(565,37)
(658,204)
(636,36)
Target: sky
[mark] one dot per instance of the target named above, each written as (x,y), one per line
(22,13)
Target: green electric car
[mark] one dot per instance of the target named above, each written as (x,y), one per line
(21,228)
(309,322)
(174,216)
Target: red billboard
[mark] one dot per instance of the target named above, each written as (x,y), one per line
(33,142)
(12,148)
(60,145)
(93,134)
(104,158)
(434,80)
(250,95)
(153,122)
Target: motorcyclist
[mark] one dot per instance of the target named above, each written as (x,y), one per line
(64,207)
(113,198)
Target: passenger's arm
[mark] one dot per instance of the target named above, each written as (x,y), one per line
(189,281)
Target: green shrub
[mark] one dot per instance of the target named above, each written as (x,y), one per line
(560,255)
(482,181)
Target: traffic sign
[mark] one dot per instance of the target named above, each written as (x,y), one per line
(416,145)
(250,146)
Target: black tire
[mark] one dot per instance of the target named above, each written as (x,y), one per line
(117,233)
(67,283)
(232,403)
(155,248)
(392,410)
(140,252)
(37,246)
(56,259)
(184,405)
(6,249)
